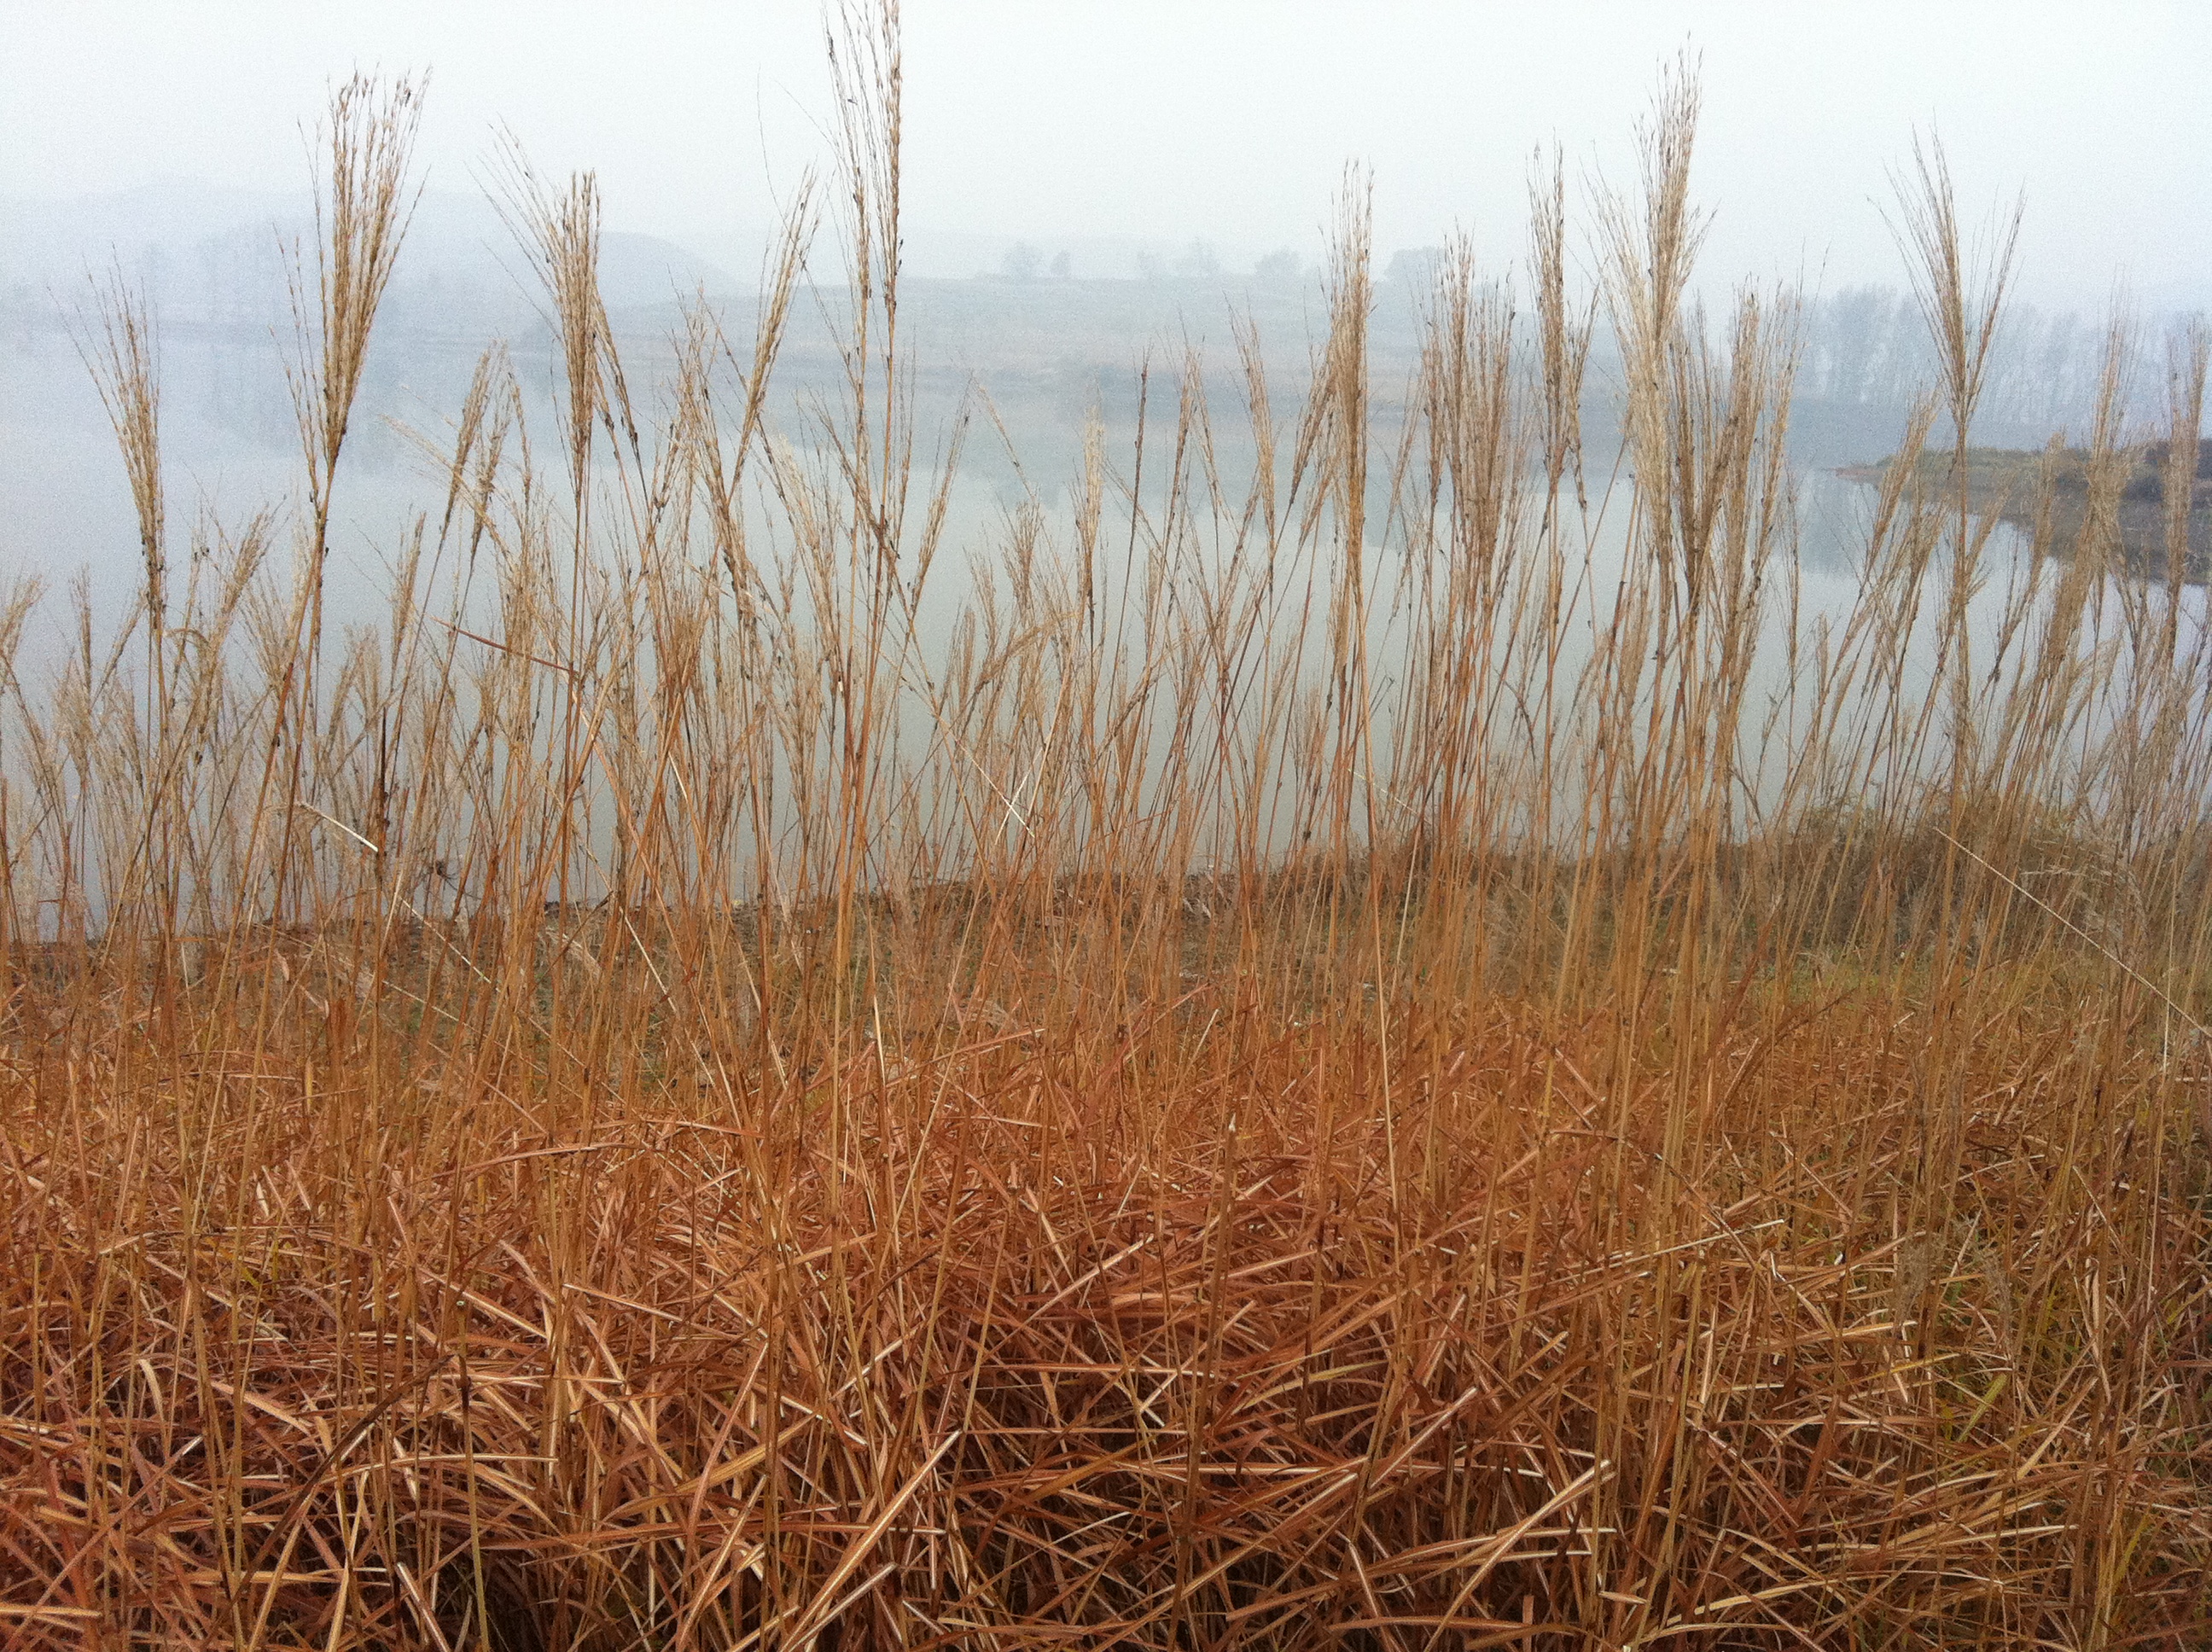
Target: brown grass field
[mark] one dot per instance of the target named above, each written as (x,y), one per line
(1291,1061)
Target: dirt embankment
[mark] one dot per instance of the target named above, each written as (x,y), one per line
(2019,486)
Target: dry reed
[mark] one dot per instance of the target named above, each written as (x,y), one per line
(674,1097)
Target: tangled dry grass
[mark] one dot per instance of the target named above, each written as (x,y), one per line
(676,1095)
(1116,1340)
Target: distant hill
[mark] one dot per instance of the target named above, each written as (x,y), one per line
(212,255)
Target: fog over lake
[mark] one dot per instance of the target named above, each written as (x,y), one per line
(1089,253)
(1028,362)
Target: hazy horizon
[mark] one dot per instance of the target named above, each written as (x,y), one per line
(1112,131)
(1142,133)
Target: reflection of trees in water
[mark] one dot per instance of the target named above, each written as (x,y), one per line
(1045,358)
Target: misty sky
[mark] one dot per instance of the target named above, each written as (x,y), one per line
(1227,119)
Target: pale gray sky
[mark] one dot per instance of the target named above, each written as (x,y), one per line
(1230,119)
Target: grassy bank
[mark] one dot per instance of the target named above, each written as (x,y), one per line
(2128,509)
(690,1089)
